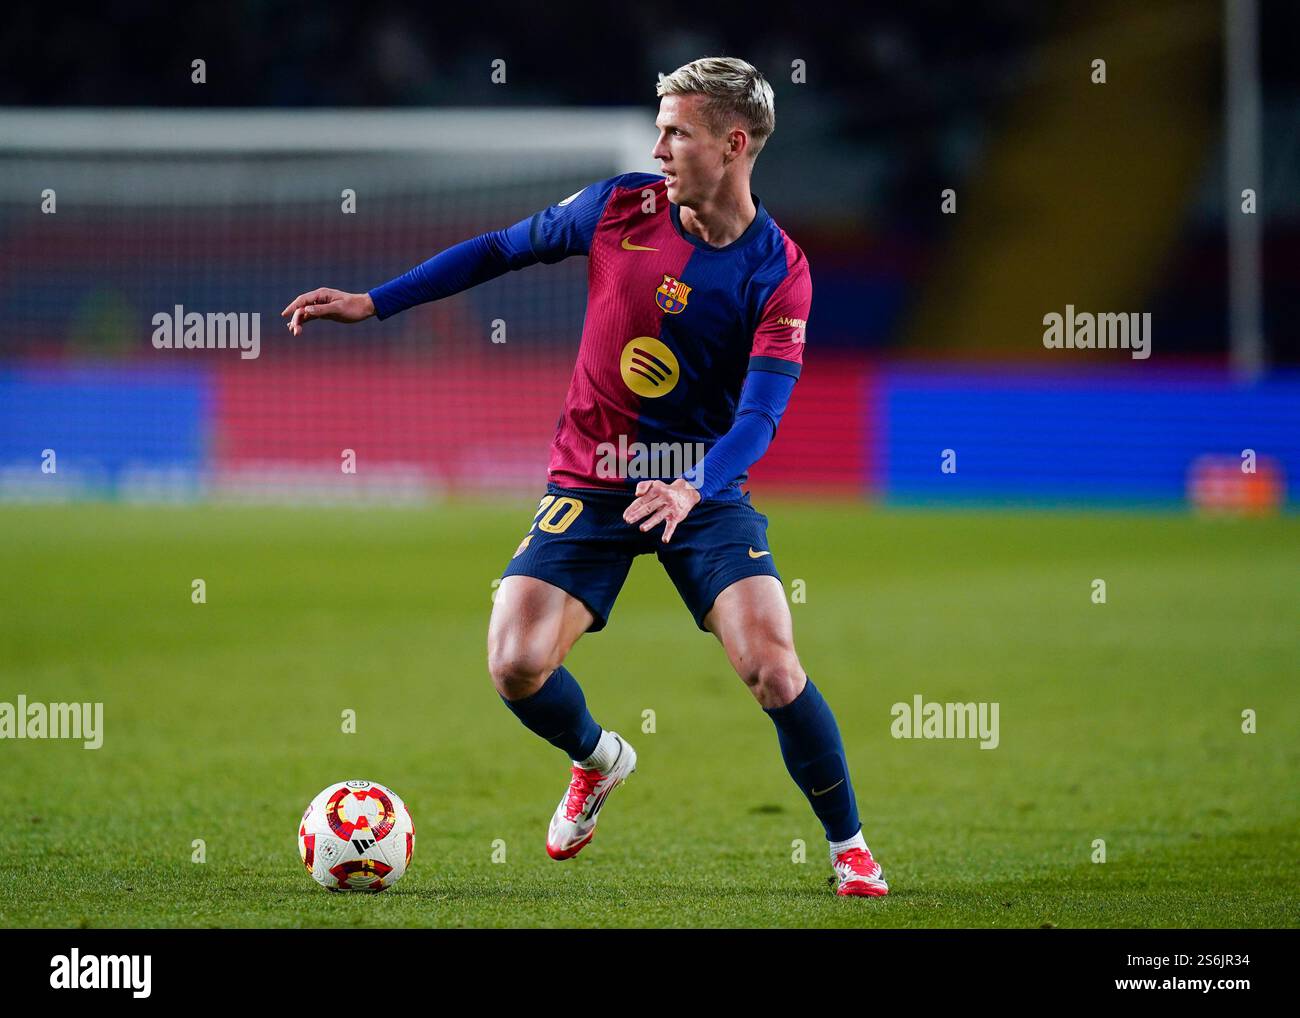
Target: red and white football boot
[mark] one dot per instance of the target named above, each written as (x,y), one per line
(860,875)
(574,822)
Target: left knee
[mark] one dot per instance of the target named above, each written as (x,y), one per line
(774,676)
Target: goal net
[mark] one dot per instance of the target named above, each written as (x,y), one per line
(112,218)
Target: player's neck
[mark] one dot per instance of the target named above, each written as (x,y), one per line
(721,219)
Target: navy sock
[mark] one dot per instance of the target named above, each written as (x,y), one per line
(558,713)
(814,756)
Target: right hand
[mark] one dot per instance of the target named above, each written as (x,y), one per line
(333,305)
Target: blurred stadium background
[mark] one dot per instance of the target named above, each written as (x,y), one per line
(926,331)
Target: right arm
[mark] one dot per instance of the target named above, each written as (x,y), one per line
(549,236)
(457,268)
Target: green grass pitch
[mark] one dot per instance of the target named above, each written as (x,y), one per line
(1118,721)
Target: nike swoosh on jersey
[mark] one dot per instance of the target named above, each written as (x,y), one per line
(629,246)
(825,790)
(758,554)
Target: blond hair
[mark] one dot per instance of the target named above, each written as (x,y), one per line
(734,89)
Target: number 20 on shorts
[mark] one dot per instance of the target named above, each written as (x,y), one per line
(556,514)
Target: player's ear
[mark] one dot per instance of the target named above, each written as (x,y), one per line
(737,143)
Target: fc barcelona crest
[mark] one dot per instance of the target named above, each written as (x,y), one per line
(672,295)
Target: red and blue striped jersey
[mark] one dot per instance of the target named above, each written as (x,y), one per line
(672,325)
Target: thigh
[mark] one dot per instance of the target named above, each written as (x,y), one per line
(533,620)
(751,617)
(718,544)
(751,620)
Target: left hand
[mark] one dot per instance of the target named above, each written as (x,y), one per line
(663,503)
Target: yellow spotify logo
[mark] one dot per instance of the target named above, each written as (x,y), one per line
(649,367)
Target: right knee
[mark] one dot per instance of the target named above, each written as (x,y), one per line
(519,667)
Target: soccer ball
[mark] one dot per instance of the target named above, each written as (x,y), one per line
(356,836)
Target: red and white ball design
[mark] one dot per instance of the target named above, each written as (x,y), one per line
(356,836)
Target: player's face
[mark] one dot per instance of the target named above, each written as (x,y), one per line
(690,155)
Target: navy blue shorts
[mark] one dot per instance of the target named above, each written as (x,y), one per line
(580,543)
